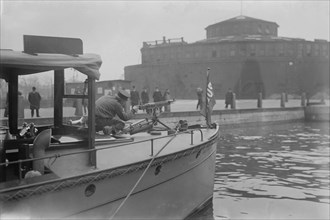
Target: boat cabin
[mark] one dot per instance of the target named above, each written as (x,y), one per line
(20,139)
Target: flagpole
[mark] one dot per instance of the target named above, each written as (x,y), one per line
(206,99)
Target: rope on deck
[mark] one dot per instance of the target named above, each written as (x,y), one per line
(139,180)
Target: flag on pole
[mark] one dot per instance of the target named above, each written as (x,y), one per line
(207,109)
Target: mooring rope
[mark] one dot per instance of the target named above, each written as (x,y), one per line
(139,180)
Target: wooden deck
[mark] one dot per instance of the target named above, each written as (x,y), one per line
(128,149)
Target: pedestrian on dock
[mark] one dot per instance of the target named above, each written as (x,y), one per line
(135,97)
(34,99)
(157,96)
(167,96)
(78,105)
(199,98)
(145,98)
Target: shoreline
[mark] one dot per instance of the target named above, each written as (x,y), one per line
(223,117)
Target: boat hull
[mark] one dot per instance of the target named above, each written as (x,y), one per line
(172,187)
(180,187)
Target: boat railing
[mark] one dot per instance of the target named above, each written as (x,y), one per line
(94,150)
(192,135)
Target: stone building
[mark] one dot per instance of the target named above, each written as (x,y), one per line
(243,53)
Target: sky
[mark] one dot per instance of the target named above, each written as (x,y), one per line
(116,30)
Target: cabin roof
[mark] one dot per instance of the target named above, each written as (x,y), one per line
(16,62)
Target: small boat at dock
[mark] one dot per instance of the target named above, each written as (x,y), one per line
(150,170)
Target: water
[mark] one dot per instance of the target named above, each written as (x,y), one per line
(272,172)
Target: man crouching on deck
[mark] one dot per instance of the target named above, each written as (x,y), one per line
(106,109)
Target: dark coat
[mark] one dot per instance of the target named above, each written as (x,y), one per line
(229,98)
(34,99)
(157,96)
(144,97)
(135,97)
(108,107)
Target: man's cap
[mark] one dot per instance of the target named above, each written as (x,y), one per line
(122,94)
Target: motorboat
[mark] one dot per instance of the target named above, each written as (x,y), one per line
(150,170)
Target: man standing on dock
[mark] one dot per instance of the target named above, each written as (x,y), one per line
(200,98)
(135,97)
(34,99)
(145,97)
(157,96)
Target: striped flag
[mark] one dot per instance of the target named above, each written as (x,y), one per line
(207,109)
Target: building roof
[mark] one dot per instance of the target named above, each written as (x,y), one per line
(242,38)
(240,18)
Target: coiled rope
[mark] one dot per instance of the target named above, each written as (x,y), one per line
(139,180)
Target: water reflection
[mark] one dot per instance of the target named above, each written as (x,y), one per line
(272,172)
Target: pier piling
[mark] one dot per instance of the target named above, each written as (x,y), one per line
(233,106)
(303,99)
(283,100)
(259,104)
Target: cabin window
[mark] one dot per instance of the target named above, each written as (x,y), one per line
(74,82)
(38,103)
